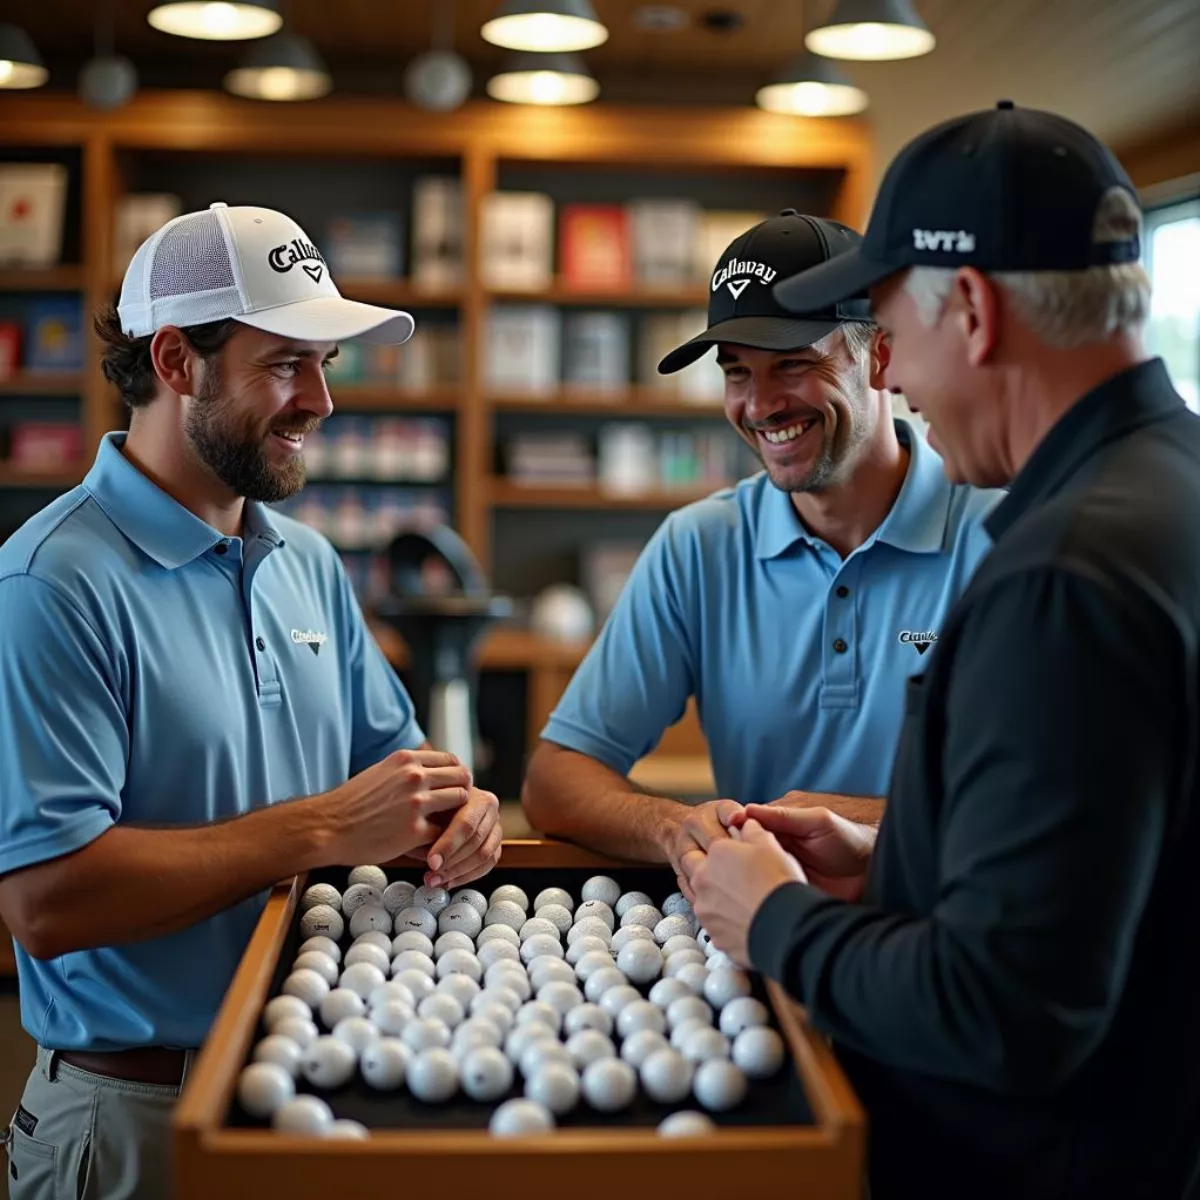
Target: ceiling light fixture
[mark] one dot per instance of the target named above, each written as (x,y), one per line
(283,67)
(546,79)
(872,30)
(20,63)
(217,20)
(811,86)
(545,26)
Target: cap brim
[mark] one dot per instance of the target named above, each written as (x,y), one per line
(763,333)
(334,319)
(846,277)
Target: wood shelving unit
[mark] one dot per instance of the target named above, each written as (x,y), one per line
(44,383)
(506,494)
(373,397)
(42,279)
(631,402)
(638,297)
(15,477)
(398,293)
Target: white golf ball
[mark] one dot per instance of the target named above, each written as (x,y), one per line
(641,1014)
(674,945)
(460,918)
(541,1012)
(589,927)
(472,1034)
(541,1051)
(375,876)
(666,1076)
(688,1008)
(420,919)
(723,986)
(599,910)
(522,1036)
(685,958)
(370,916)
(758,1051)
(454,940)
(615,999)
(417,982)
(641,914)
(642,962)
(520,1118)
(676,904)
(362,978)
(423,1034)
(302,1031)
(348,1130)
(384,1064)
(586,1016)
(413,960)
(557,915)
(463,988)
(686,1124)
(322,945)
(546,970)
(397,896)
(741,1013)
(601,887)
(392,1017)
(692,974)
(588,945)
(459,962)
(637,1048)
(602,982)
(553,895)
(539,926)
(306,985)
(499,993)
(510,975)
(704,1043)
(631,900)
(489,999)
(718,1085)
(264,1088)
(498,932)
(412,939)
(368,952)
(391,991)
(375,937)
(435,899)
(704,940)
(609,1084)
(541,944)
(510,894)
(593,961)
(358,896)
(560,996)
(320,893)
(283,1007)
(433,1076)
(322,921)
(682,1033)
(718,960)
(669,927)
(505,913)
(304,1115)
(477,900)
(493,952)
(280,1050)
(666,991)
(631,933)
(357,1032)
(442,1008)
(485,1074)
(589,1046)
(555,1086)
(329,1062)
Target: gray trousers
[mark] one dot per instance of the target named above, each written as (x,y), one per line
(80,1135)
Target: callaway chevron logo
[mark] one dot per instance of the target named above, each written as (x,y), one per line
(310,638)
(920,641)
(738,273)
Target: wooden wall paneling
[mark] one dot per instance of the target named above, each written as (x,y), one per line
(100,191)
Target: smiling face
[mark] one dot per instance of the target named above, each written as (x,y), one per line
(257,399)
(805,413)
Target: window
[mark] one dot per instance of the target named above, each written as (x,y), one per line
(1172,257)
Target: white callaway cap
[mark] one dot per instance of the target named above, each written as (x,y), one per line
(254,265)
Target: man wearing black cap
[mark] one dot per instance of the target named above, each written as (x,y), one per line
(807,593)
(1013,987)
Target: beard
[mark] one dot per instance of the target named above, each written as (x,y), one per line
(235,447)
(839,448)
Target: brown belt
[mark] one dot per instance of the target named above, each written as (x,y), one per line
(151,1064)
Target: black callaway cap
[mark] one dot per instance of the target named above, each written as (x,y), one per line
(1006,189)
(742,307)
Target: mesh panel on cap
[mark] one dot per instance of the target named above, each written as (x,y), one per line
(191,257)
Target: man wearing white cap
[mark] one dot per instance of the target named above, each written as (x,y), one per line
(177,661)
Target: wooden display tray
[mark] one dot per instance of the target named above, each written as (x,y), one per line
(822,1160)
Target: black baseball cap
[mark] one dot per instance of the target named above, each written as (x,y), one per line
(1005,189)
(742,307)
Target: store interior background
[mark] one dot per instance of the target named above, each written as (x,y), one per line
(555,470)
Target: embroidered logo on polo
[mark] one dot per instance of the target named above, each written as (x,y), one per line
(297,251)
(919,641)
(739,273)
(310,638)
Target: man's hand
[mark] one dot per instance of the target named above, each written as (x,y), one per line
(731,882)
(691,838)
(470,845)
(865,810)
(833,852)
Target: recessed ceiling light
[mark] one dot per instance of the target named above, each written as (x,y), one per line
(217,20)
(545,26)
(660,18)
(872,30)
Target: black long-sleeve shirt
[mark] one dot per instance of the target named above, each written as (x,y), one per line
(1017,999)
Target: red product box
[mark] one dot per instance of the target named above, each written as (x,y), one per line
(10,349)
(45,445)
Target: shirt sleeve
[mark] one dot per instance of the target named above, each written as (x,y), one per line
(635,681)
(1062,749)
(64,734)
(384,719)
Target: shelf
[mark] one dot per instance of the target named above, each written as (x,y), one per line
(401,293)
(633,402)
(14,477)
(375,397)
(41,279)
(502,649)
(635,297)
(43,383)
(505,494)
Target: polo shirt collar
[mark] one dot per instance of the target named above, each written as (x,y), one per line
(152,520)
(1129,400)
(916,522)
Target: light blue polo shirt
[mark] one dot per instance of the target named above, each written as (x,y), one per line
(156,672)
(797,658)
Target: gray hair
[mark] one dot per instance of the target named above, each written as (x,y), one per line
(1066,308)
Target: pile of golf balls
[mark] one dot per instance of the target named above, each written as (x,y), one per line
(586,998)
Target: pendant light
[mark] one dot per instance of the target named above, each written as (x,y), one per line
(545,79)
(20,63)
(217,20)
(281,67)
(872,30)
(545,26)
(811,86)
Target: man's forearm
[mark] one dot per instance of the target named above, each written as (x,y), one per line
(572,796)
(134,884)
(863,810)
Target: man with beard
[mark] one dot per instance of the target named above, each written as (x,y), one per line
(191,707)
(792,606)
